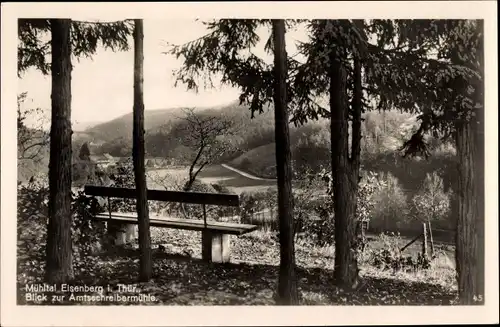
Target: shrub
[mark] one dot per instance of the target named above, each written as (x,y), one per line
(390,257)
(391,211)
(32,219)
(32,225)
(368,185)
(313,206)
(314,220)
(252,203)
(87,172)
(313,209)
(221,188)
(122,175)
(87,235)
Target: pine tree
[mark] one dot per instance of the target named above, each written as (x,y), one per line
(287,284)
(59,252)
(442,78)
(84,152)
(67,38)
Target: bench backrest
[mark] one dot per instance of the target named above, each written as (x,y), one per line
(230,200)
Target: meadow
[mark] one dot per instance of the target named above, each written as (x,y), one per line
(212,174)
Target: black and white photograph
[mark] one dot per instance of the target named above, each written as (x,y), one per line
(217,160)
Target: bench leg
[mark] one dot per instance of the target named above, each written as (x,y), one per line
(125,234)
(215,246)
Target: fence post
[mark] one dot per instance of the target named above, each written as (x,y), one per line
(424,241)
(432,239)
(204,215)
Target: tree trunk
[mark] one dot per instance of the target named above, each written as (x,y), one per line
(470,215)
(480,202)
(287,284)
(345,173)
(59,248)
(470,255)
(139,154)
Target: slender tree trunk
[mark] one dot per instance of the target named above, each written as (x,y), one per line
(424,241)
(139,154)
(345,172)
(59,248)
(287,284)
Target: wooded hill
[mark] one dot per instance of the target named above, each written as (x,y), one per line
(383,134)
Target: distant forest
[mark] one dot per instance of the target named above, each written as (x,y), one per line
(383,135)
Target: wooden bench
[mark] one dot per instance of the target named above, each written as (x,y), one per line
(215,235)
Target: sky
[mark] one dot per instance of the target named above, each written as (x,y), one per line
(102,87)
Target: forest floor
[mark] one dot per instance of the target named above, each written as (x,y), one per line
(180,277)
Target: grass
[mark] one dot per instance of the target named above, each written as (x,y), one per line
(257,160)
(223,176)
(180,277)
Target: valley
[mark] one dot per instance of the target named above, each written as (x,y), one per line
(249,167)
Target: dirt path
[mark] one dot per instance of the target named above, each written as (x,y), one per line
(242,173)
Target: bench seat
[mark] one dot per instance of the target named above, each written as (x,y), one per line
(180,223)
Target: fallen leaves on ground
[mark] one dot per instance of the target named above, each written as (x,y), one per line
(180,277)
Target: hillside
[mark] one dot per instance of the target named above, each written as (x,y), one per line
(121,127)
(156,120)
(260,161)
(383,135)
(82,126)
(164,128)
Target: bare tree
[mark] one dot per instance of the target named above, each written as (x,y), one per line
(208,136)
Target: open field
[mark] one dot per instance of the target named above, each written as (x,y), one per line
(215,174)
